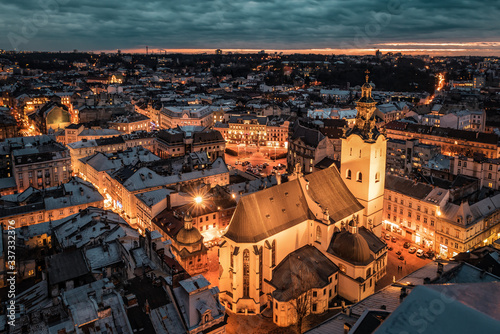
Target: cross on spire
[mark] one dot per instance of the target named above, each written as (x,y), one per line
(367,72)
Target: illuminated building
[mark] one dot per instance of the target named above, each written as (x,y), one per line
(451,141)
(131,123)
(35,206)
(183,140)
(256,130)
(323,210)
(363,161)
(197,115)
(411,209)
(465,226)
(408,156)
(311,146)
(53,116)
(37,161)
(84,147)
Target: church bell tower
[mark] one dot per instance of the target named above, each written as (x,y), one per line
(363,160)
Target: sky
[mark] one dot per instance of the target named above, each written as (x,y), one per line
(454,27)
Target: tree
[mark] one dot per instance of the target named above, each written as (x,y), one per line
(302,287)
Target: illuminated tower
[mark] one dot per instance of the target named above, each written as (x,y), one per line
(363,160)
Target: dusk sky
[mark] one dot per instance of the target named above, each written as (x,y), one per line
(467,26)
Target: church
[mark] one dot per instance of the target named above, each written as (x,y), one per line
(315,236)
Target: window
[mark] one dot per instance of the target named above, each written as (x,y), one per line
(315,307)
(315,294)
(409,214)
(348,174)
(389,207)
(389,197)
(359,177)
(402,202)
(490,167)
(261,253)
(377,177)
(318,234)
(409,205)
(432,222)
(425,220)
(418,217)
(273,253)
(246,273)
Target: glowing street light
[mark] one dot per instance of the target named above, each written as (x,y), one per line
(198,199)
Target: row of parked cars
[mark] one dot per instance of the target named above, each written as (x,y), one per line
(411,249)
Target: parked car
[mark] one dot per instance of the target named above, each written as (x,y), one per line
(412,250)
(393,239)
(401,257)
(387,237)
(430,254)
(398,252)
(389,248)
(420,253)
(406,245)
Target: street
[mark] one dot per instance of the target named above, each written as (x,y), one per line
(411,262)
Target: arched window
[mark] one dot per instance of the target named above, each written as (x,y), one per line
(368,272)
(377,176)
(360,153)
(359,177)
(318,233)
(348,174)
(489,176)
(261,253)
(207,318)
(246,273)
(273,253)
(232,258)
(350,151)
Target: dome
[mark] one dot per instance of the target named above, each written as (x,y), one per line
(351,247)
(188,236)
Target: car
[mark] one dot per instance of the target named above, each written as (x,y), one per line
(244,163)
(412,250)
(430,254)
(387,237)
(398,252)
(236,162)
(265,164)
(393,239)
(389,248)
(401,257)
(420,253)
(406,245)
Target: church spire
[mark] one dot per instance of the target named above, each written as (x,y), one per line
(365,118)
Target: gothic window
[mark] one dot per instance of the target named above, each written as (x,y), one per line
(318,233)
(348,174)
(232,257)
(246,273)
(377,177)
(273,253)
(260,267)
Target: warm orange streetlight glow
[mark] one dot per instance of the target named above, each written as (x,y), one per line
(198,199)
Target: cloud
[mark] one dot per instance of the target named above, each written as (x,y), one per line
(277,24)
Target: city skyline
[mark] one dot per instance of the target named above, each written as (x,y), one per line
(354,27)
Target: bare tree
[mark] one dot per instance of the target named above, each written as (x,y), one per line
(302,287)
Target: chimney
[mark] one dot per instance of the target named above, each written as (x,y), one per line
(278,179)
(440,269)
(169,204)
(403,293)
